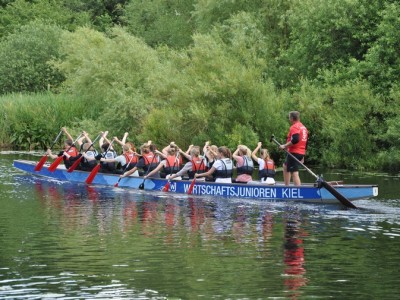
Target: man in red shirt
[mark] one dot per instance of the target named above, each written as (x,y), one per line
(296,144)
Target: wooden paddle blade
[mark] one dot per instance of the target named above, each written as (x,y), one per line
(41,162)
(190,190)
(166,187)
(93,174)
(55,164)
(338,195)
(74,165)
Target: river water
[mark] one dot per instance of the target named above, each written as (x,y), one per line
(69,241)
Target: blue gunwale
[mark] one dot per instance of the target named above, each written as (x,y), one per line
(304,193)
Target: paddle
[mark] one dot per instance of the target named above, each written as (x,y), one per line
(320,180)
(59,159)
(190,190)
(41,162)
(127,165)
(141,186)
(166,186)
(77,162)
(96,169)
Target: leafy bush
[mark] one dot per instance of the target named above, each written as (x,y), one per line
(24,58)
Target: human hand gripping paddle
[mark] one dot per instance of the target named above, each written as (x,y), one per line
(96,169)
(167,185)
(41,162)
(77,162)
(59,159)
(326,185)
(141,186)
(126,167)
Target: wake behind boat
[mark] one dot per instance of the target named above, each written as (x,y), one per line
(279,192)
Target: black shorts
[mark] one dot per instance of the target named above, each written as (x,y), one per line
(291,164)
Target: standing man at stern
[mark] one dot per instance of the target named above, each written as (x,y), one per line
(296,144)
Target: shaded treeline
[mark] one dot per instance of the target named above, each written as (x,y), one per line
(197,70)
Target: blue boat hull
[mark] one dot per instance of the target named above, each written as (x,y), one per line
(304,193)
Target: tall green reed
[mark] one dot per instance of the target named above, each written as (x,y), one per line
(32,121)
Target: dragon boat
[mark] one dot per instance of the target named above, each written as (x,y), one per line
(308,192)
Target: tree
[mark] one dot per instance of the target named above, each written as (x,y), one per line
(324,33)
(161,22)
(25,56)
(20,12)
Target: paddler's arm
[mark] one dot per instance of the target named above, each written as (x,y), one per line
(254,153)
(158,168)
(208,173)
(127,173)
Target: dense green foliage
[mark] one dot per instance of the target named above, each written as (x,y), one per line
(33,121)
(25,57)
(219,70)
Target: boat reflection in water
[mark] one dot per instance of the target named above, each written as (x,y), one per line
(197,220)
(294,254)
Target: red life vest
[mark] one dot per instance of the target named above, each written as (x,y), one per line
(269,164)
(150,161)
(199,165)
(130,158)
(172,164)
(269,169)
(72,152)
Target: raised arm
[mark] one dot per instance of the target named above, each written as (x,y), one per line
(64,129)
(104,138)
(80,141)
(188,150)
(185,154)
(123,141)
(206,146)
(254,153)
(160,154)
(235,154)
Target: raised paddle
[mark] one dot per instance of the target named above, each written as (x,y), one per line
(41,162)
(96,169)
(77,162)
(59,159)
(320,180)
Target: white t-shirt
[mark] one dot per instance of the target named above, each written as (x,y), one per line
(261,163)
(121,159)
(219,165)
(223,164)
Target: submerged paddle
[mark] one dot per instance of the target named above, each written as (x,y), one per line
(127,165)
(77,162)
(190,190)
(41,162)
(96,169)
(325,184)
(166,186)
(59,159)
(141,186)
